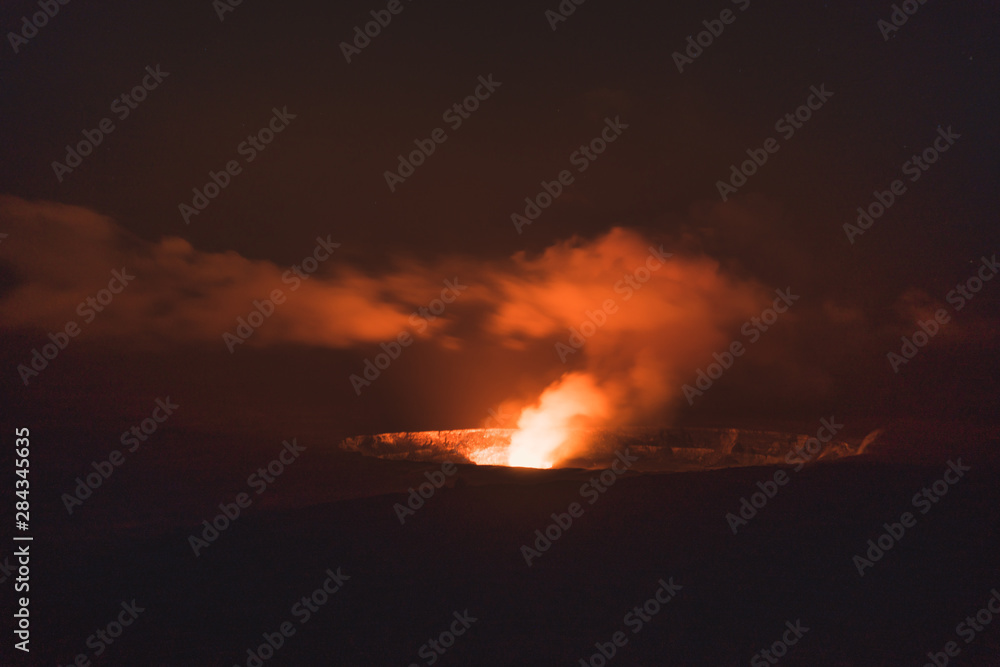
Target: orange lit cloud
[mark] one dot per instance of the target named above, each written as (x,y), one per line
(60,255)
(625,325)
(635,326)
(658,317)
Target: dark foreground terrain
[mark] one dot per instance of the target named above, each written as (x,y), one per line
(733,595)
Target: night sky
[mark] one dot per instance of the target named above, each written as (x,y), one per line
(324,175)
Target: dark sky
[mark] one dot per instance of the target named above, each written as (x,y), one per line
(324,175)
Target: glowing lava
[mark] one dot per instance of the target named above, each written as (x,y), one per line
(544,433)
(660,449)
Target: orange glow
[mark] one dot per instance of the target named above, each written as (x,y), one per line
(579,446)
(545,431)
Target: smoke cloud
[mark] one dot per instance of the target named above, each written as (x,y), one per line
(628,319)
(61,255)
